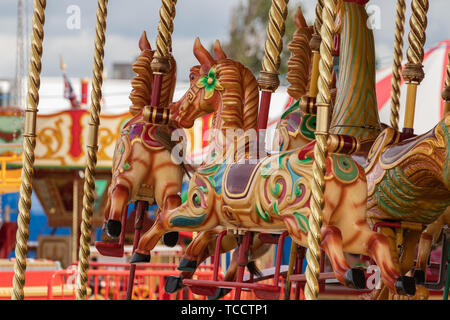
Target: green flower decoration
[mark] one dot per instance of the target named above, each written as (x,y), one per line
(210,83)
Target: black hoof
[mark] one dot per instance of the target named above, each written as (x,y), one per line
(405,286)
(170,239)
(419,276)
(140,258)
(220,293)
(113,228)
(355,278)
(173,284)
(187,265)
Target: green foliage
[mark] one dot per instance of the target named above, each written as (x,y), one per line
(248,25)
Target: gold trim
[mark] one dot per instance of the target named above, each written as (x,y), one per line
(320,150)
(92,147)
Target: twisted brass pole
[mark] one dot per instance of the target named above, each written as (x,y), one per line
(29,143)
(161,62)
(75,210)
(92,147)
(315,48)
(320,150)
(268,80)
(171,23)
(397,67)
(274,44)
(413,72)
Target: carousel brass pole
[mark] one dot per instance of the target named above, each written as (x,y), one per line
(446,92)
(268,78)
(413,72)
(161,62)
(397,66)
(288,283)
(29,143)
(315,47)
(92,147)
(75,218)
(320,150)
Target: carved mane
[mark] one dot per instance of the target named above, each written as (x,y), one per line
(240,98)
(299,64)
(142,83)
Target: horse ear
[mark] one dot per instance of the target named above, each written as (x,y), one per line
(299,19)
(219,54)
(143,42)
(202,54)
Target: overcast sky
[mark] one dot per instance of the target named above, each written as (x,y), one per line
(208,19)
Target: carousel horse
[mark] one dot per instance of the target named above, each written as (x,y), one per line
(295,128)
(142,165)
(271,194)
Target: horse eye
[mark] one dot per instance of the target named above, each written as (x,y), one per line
(192,77)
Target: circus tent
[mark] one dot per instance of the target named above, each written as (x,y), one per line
(429,106)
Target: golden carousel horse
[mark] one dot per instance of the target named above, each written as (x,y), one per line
(295,128)
(143,169)
(408,179)
(142,165)
(271,194)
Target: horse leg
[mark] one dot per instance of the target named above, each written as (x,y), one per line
(196,253)
(196,248)
(427,237)
(180,218)
(119,200)
(170,239)
(377,247)
(332,245)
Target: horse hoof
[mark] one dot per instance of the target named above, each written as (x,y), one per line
(419,276)
(405,286)
(173,284)
(140,258)
(113,228)
(187,265)
(170,239)
(220,293)
(355,278)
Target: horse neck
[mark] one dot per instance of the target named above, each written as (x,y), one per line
(355,112)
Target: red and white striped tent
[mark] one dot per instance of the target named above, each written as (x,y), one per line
(429,107)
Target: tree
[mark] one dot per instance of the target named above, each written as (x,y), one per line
(248,34)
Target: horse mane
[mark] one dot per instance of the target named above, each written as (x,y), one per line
(299,64)
(240,99)
(231,114)
(142,83)
(251,100)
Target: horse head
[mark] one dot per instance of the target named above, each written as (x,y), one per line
(218,85)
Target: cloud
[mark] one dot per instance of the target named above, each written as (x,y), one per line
(127,19)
